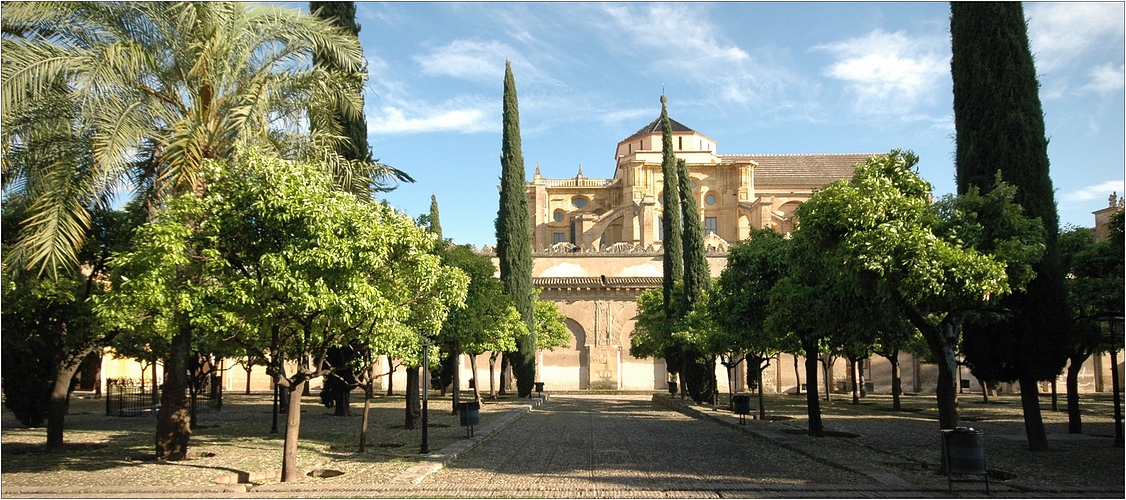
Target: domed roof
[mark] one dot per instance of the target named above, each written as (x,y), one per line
(654,127)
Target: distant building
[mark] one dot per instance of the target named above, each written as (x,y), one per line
(598,242)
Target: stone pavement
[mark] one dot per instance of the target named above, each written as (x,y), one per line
(617,446)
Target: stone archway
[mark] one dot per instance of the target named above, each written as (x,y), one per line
(577,353)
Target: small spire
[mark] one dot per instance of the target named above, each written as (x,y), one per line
(537,174)
(580,176)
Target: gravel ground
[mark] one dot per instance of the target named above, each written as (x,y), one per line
(112,451)
(872,438)
(611,445)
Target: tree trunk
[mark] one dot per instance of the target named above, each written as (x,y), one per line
(476,386)
(249,367)
(155,387)
(173,425)
(1055,397)
(761,402)
(456,389)
(1074,418)
(812,401)
(855,387)
(797,374)
(58,406)
(390,373)
(413,414)
(896,382)
(1033,421)
(503,375)
(369,390)
(292,429)
(941,341)
(492,376)
(860,378)
(827,362)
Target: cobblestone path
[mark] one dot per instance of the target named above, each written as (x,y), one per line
(628,443)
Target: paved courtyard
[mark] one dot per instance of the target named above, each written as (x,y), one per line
(573,446)
(595,443)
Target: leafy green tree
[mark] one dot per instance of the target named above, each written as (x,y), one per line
(201,80)
(49,326)
(551,326)
(999,126)
(881,228)
(297,268)
(489,321)
(742,297)
(514,237)
(891,339)
(1095,287)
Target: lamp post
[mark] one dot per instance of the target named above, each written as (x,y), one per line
(425,392)
(1113,334)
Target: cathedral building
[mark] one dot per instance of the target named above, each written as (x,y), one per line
(597,242)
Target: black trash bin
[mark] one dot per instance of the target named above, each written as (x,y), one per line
(964,450)
(741,405)
(539,387)
(469,412)
(672,388)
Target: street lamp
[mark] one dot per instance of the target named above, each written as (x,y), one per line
(425,392)
(1113,334)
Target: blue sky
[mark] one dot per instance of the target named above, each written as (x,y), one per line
(759,78)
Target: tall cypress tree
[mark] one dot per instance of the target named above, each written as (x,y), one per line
(435,222)
(999,124)
(673,262)
(353,126)
(514,236)
(699,367)
(343,14)
(671,244)
(697,275)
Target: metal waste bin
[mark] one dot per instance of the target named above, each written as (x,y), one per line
(469,412)
(964,452)
(741,405)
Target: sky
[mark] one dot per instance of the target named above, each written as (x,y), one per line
(758,78)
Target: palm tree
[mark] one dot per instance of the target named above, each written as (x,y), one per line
(154,89)
(159,87)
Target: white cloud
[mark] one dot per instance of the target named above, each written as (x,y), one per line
(421,119)
(1107,78)
(478,61)
(643,31)
(888,72)
(1091,193)
(1061,33)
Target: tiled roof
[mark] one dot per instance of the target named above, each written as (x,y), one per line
(817,169)
(654,127)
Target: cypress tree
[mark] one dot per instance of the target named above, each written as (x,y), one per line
(999,125)
(697,275)
(435,221)
(514,236)
(699,367)
(673,262)
(671,245)
(343,14)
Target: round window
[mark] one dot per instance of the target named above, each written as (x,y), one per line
(559,216)
(694,185)
(579,202)
(709,199)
